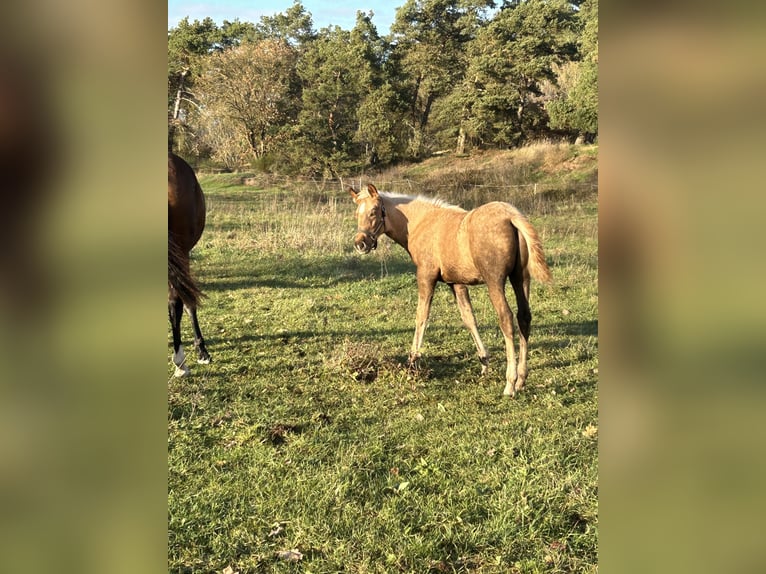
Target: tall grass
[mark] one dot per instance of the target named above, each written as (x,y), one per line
(307,446)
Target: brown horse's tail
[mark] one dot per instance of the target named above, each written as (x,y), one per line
(538,268)
(179,276)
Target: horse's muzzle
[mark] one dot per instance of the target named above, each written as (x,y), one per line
(364,243)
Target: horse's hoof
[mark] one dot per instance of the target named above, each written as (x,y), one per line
(509,391)
(204,360)
(181,371)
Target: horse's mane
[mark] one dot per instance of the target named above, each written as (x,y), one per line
(398,198)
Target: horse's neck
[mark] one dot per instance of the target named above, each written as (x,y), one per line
(404,216)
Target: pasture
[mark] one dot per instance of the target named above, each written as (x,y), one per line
(307,446)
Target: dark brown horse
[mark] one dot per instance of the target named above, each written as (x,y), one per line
(490,244)
(186,220)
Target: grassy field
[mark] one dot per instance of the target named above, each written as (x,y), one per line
(306,446)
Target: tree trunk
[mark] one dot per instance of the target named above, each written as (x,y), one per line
(179,93)
(252,139)
(460,148)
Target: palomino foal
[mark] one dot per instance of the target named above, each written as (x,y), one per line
(490,244)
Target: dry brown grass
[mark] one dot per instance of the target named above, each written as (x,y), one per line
(518,175)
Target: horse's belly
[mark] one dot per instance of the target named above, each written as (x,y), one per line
(455,260)
(466,274)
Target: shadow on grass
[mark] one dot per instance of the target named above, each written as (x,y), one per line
(299,273)
(305,336)
(567,328)
(435,364)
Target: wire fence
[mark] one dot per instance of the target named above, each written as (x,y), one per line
(537,197)
(464,189)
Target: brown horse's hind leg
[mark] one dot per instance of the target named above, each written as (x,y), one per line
(203,356)
(504,314)
(175,312)
(520,283)
(463,301)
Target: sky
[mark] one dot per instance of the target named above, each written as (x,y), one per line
(323,12)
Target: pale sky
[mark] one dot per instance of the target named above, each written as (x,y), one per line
(323,12)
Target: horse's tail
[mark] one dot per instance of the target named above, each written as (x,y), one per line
(538,268)
(179,276)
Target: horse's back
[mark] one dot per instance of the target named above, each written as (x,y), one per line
(186,203)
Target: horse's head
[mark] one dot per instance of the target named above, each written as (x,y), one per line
(370,218)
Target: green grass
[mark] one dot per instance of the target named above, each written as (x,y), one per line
(308,433)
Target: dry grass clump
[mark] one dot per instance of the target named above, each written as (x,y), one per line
(544,153)
(363,361)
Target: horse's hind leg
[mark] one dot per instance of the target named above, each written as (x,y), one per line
(175,312)
(463,300)
(496,290)
(203,356)
(520,283)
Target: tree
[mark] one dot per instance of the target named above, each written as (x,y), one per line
(379,116)
(509,60)
(246,94)
(188,44)
(338,71)
(294,26)
(574,105)
(430,38)
(235,33)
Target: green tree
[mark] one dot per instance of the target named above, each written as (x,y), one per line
(430,39)
(339,70)
(501,97)
(378,113)
(574,105)
(294,26)
(235,33)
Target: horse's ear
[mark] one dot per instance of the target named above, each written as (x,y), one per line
(353,192)
(372,190)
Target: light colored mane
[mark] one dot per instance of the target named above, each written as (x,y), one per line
(399,198)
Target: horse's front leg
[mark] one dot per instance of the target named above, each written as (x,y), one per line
(426,287)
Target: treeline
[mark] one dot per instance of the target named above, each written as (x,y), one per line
(457,75)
